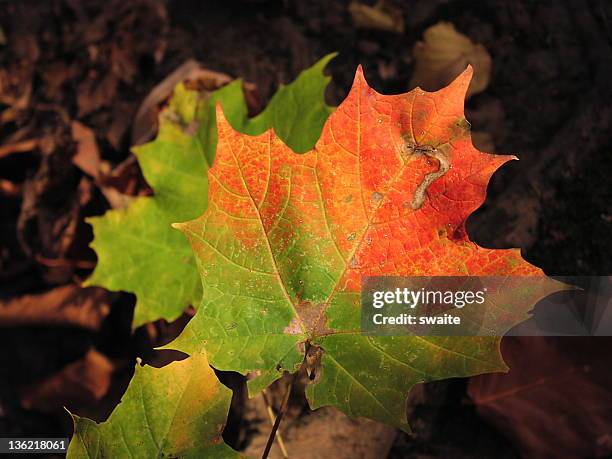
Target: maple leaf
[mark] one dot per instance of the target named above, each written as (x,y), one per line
(175,411)
(137,249)
(287,238)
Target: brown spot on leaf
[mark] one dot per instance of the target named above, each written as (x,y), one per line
(311,320)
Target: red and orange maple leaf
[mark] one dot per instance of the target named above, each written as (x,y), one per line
(287,239)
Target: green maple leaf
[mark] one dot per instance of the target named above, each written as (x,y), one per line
(137,249)
(175,411)
(286,240)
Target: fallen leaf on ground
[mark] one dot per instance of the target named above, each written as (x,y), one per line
(443,54)
(51,217)
(379,17)
(87,156)
(68,305)
(18,147)
(555,400)
(83,382)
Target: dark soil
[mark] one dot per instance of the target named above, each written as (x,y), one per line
(549,102)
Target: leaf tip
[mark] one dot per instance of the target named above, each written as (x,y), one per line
(73,416)
(223,125)
(327,58)
(183,227)
(469,71)
(359,76)
(221,119)
(178,226)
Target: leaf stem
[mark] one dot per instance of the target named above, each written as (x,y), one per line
(279,416)
(278,437)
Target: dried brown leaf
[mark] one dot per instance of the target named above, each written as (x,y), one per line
(443,54)
(379,17)
(87,156)
(80,383)
(68,305)
(18,147)
(555,400)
